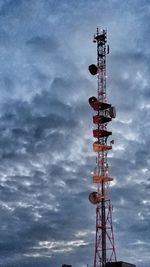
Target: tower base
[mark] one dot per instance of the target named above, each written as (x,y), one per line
(119,264)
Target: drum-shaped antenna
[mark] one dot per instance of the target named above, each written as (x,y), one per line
(93,69)
(112,112)
(94,198)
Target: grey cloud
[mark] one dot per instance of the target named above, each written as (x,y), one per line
(46,130)
(43,44)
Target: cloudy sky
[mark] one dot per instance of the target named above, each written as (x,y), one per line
(46,156)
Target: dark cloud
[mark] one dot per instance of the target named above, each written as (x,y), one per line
(46,130)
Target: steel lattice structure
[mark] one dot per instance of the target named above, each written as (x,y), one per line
(104,113)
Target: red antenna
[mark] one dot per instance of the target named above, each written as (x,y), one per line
(104,112)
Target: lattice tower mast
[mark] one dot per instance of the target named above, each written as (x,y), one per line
(104,240)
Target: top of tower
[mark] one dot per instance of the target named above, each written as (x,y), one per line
(100,36)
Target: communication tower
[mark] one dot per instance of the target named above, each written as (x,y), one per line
(103,114)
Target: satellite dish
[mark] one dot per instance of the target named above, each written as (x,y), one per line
(112,112)
(92,100)
(94,198)
(93,69)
